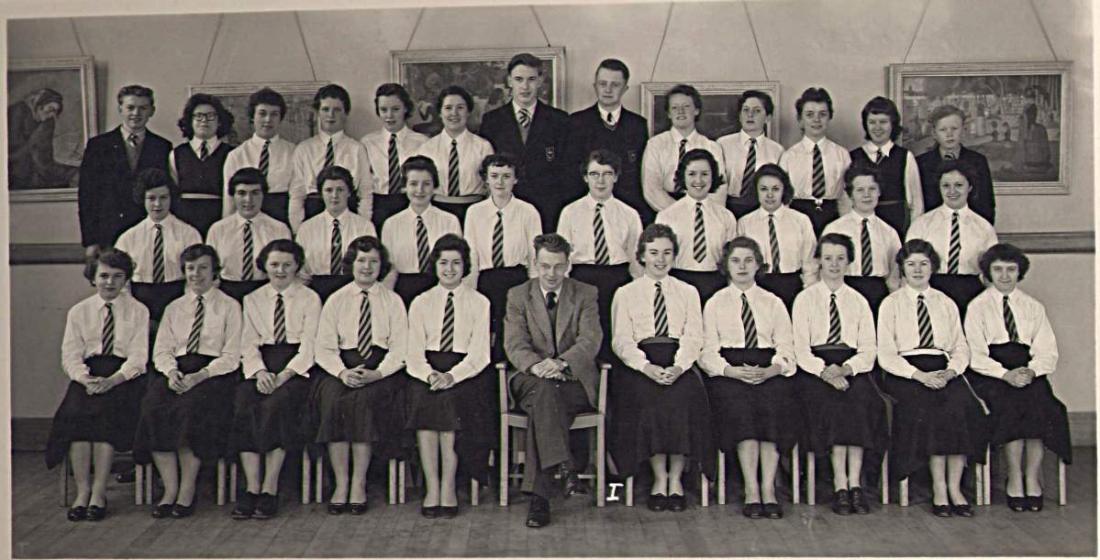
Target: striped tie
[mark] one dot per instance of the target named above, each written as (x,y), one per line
(280,320)
(204,152)
(750,169)
(422,250)
(196,328)
(337,253)
(452,170)
(158,254)
(524,119)
(498,241)
(683,149)
(955,249)
(773,243)
(366,325)
(330,155)
(865,253)
(394,165)
(834,321)
(265,157)
(246,264)
(924,324)
(601,241)
(700,240)
(660,314)
(109,330)
(748,323)
(1010,322)
(447,334)
(819,174)
(878,156)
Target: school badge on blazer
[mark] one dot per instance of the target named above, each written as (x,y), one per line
(632,155)
(550,153)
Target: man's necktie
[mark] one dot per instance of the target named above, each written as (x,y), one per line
(109,330)
(447,334)
(773,243)
(834,321)
(878,156)
(423,252)
(280,320)
(337,250)
(524,124)
(498,241)
(610,120)
(601,240)
(954,251)
(748,322)
(750,169)
(1010,322)
(204,151)
(660,314)
(366,334)
(134,152)
(330,155)
(948,156)
(924,324)
(865,254)
(394,165)
(158,254)
(196,328)
(700,239)
(265,157)
(247,259)
(819,174)
(452,170)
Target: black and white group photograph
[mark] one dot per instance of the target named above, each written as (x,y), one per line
(549,278)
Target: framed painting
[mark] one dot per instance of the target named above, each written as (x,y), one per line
(298,123)
(51,116)
(481,71)
(720,111)
(1016,116)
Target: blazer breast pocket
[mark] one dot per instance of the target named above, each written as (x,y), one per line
(551,153)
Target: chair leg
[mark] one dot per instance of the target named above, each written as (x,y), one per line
(64,482)
(630,491)
(979,486)
(402,466)
(811,478)
(505,458)
(704,490)
(987,477)
(885,477)
(721,477)
(139,484)
(904,496)
(306,468)
(221,482)
(318,480)
(233,482)
(391,481)
(601,465)
(149,484)
(1061,482)
(795,487)
(475,491)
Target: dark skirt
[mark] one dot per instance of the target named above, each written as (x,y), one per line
(277,205)
(872,288)
(198,419)
(156,297)
(312,205)
(494,284)
(765,412)
(895,213)
(707,283)
(961,288)
(820,214)
(386,205)
(649,418)
(408,286)
(465,408)
(109,417)
(856,416)
(948,421)
(326,284)
(786,285)
(237,289)
(372,414)
(1029,412)
(607,279)
(199,212)
(263,423)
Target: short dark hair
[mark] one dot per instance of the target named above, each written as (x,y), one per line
(198,251)
(773,170)
(225,118)
(114,258)
(552,242)
(282,246)
(697,154)
(397,90)
(914,247)
(42,97)
(337,173)
(653,232)
(503,159)
(964,168)
(615,65)
(860,170)
(816,95)
(765,100)
(603,156)
(945,111)
(247,176)
(1005,252)
(450,242)
(741,242)
(266,96)
(836,239)
(880,105)
(419,163)
(366,244)
(453,90)
(332,91)
(690,91)
(524,59)
(136,91)
(150,178)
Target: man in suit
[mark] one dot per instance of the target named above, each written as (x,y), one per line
(105,200)
(551,336)
(947,128)
(536,133)
(608,125)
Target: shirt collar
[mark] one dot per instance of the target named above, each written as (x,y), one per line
(871,148)
(545,293)
(166,222)
(809,144)
(373,289)
(325,137)
(260,141)
(330,218)
(912,292)
(963,212)
(530,110)
(126,132)
(288,293)
(678,137)
(447,137)
(211,144)
(592,202)
(100,303)
(191,296)
(746,139)
(614,114)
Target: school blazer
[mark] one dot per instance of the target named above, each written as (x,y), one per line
(527,334)
(544,153)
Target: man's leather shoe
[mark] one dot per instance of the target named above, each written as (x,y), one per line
(574,486)
(538,512)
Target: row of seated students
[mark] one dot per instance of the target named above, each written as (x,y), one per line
(698,364)
(548,143)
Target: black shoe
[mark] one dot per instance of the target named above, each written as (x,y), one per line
(842,502)
(180,512)
(574,486)
(127,476)
(162,511)
(336,509)
(97,513)
(773,511)
(431,512)
(78,513)
(677,503)
(941,511)
(267,505)
(448,512)
(357,509)
(859,501)
(657,502)
(753,511)
(962,510)
(1017,505)
(1035,503)
(538,512)
(246,503)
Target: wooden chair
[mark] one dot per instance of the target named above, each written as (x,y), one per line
(985,491)
(704,482)
(63,483)
(395,491)
(588,420)
(144,483)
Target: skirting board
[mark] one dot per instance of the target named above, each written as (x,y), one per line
(30,434)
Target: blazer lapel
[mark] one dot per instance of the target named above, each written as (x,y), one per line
(118,149)
(510,114)
(566,307)
(538,309)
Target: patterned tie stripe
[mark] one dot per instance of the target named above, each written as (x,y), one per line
(265,157)
(773,243)
(834,321)
(524,118)
(660,314)
(452,170)
(878,156)
(109,331)
(280,320)
(601,241)
(447,334)
(204,151)
(750,169)
(337,253)
(196,328)
(865,252)
(924,324)
(498,241)
(700,239)
(748,322)
(247,258)
(819,174)
(330,155)
(158,254)
(1010,322)
(394,165)
(366,334)
(422,250)
(955,249)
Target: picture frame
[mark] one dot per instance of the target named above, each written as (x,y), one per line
(720,106)
(1017,116)
(44,155)
(481,71)
(298,123)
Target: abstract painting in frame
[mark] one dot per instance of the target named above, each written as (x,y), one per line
(1016,116)
(719,116)
(298,123)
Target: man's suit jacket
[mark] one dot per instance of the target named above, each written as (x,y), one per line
(543,155)
(981,190)
(105,194)
(527,333)
(587,132)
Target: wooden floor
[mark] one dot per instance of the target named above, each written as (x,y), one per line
(579,529)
